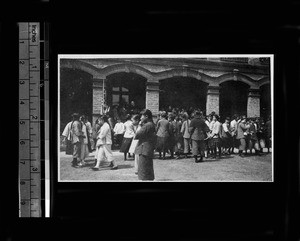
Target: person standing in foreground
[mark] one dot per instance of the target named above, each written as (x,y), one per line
(198,130)
(145,147)
(104,143)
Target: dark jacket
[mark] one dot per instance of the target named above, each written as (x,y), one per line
(163,128)
(241,128)
(252,132)
(147,139)
(198,129)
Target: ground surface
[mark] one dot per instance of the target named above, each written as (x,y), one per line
(227,168)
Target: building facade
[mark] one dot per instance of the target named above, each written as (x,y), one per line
(223,85)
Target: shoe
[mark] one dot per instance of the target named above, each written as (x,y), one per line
(95,168)
(200,160)
(114,168)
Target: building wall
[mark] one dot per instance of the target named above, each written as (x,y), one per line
(213,70)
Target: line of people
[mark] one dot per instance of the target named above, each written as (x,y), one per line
(181,134)
(174,133)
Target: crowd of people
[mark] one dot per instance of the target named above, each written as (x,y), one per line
(177,133)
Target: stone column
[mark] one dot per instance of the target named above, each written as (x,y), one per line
(98,97)
(253,104)
(213,99)
(152,98)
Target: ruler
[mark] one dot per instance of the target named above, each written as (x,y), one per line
(33,119)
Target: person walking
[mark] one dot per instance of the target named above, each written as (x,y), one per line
(145,147)
(198,130)
(128,136)
(104,143)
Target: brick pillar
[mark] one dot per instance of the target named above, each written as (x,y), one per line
(212,100)
(152,98)
(98,98)
(253,104)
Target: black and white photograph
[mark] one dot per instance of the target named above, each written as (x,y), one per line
(165,118)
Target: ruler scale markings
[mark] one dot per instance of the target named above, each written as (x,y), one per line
(29,124)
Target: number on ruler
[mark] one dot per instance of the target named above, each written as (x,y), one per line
(34,117)
(22,183)
(22,82)
(34,169)
(22,162)
(22,122)
(22,62)
(22,142)
(23,203)
(22,102)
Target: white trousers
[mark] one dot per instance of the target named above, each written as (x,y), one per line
(104,152)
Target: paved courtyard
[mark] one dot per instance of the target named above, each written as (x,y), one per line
(227,168)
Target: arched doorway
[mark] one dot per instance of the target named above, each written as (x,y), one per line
(76,94)
(122,88)
(265,101)
(182,92)
(233,98)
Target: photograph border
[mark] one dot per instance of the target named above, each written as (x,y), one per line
(111,56)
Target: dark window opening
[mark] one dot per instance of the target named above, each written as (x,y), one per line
(233,98)
(182,92)
(76,95)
